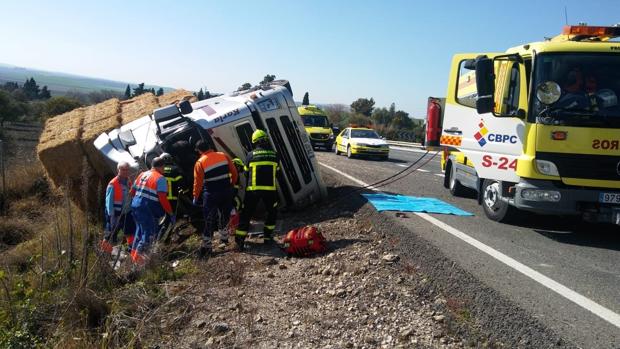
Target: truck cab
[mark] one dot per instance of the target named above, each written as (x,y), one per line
(227,122)
(537,127)
(317,126)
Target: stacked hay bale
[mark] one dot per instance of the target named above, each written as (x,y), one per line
(67,151)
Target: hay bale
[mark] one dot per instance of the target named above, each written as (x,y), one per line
(137,107)
(99,118)
(59,147)
(176,96)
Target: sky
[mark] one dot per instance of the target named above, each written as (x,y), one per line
(337,51)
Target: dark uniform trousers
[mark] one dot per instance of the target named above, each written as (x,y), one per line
(251,200)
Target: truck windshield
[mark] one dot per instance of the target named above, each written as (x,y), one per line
(590,84)
(315,120)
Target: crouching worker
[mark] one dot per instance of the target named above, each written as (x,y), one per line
(118,210)
(261,166)
(149,204)
(214,174)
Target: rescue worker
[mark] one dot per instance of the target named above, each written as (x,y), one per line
(261,166)
(214,174)
(174,178)
(118,209)
(149,204)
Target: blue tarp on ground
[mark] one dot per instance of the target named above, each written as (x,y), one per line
(389,202)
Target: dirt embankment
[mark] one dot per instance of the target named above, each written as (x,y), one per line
(366,292)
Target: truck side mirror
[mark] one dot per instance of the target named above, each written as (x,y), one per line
(485,84)
(185,107)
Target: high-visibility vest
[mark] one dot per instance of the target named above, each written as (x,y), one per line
(262,166)
(118,195)
(215,170)
(173,176)
(146,185)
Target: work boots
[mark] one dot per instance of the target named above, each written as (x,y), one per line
(240,242)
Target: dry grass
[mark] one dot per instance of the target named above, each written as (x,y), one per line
(25,179)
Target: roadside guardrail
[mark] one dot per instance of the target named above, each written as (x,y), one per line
(405,144)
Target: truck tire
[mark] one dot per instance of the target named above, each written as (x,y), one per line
(456,188)
(494,208)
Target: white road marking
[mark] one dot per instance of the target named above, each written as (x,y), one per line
(582,301)
(440,175)
(413,150)
(402,165)
(421,170)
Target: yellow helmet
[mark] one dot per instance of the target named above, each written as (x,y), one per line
(238,162)
(259,135)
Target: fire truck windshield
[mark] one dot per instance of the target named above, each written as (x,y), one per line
(590,85)
(315,120)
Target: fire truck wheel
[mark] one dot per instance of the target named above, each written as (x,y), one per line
(494,208)
(456,188)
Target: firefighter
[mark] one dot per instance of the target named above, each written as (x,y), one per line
(214,174)
(149,204)
(174,178)
(118,209)
(261,166)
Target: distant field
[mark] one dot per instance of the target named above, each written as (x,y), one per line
(59,83)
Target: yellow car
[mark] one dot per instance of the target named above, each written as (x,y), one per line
(355,141)
(317,126)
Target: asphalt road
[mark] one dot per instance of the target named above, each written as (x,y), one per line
(579,261)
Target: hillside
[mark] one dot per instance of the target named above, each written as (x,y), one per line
(59,83)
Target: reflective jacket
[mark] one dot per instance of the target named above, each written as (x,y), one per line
(174,177)
(212,172)
(150,189)
(261,166)
(116,197)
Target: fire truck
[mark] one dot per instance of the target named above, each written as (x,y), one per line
(535,128)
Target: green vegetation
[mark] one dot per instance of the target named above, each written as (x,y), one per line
(389,122)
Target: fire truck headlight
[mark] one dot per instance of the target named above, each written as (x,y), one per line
(541,195)
(547,168)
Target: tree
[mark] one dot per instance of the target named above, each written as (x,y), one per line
(31,89)
(160,92)
(45,93)
(363,106)
(9,108)
(306,100)
(127,92)
(267,79)
(402,121)
(245,86)
(138,90)
(381,116)
(59,105)
(338,114)
(200,95)
(152,90)
(359,119)
(10,86)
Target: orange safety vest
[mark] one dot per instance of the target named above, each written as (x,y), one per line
(117,188)
(213,170)
(146,185)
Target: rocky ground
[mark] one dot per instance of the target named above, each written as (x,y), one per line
(371,289)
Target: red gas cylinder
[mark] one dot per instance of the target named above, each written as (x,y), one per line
(433,119)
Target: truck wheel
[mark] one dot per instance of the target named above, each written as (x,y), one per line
(494,208)
(349,154)
(456,188)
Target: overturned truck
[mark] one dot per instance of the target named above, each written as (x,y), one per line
(80,149)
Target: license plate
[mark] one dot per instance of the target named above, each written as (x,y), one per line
(609,198)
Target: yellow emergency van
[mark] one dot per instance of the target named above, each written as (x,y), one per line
(535,128)
(317,126)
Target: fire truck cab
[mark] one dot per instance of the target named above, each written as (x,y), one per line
(535,128)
